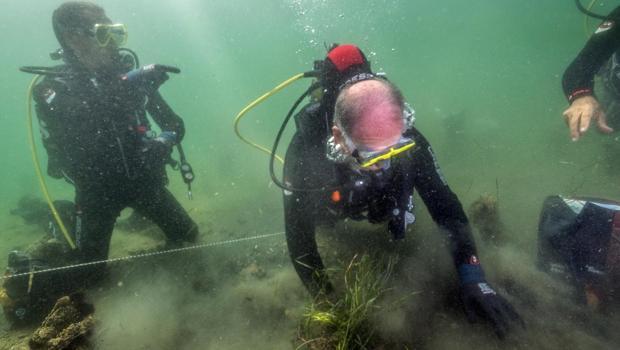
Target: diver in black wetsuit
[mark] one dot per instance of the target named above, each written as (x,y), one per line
(359,145)
(599,55)
(579,241)
(93,117)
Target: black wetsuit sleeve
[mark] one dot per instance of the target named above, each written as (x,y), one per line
(164,116)
(443,205)
(53,119)
(578,79)
(302,169)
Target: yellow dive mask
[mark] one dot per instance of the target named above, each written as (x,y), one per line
(110,32)
(370,158)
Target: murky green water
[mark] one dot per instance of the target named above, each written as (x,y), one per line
(484,78)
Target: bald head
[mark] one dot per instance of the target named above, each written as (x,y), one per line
(371,112)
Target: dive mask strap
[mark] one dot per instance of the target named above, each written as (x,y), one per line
(356,79)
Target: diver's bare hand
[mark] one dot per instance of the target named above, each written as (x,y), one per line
(580,114)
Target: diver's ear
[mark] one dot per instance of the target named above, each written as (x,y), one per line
(337,133)
(72,39)
(76,43)
(339,138)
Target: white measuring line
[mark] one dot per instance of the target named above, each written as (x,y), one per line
(144,255)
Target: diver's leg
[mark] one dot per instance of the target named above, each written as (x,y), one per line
(159,205)
(96,213)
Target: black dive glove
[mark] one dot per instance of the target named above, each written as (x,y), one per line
(483,303)
(149,78)
(160,148)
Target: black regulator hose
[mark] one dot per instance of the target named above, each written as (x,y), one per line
(274,178)
(57,55)
(274,149)
(589,13)
(38,70)
(133,54)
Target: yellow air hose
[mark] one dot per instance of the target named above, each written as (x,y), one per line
(256,103)
(37,167)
